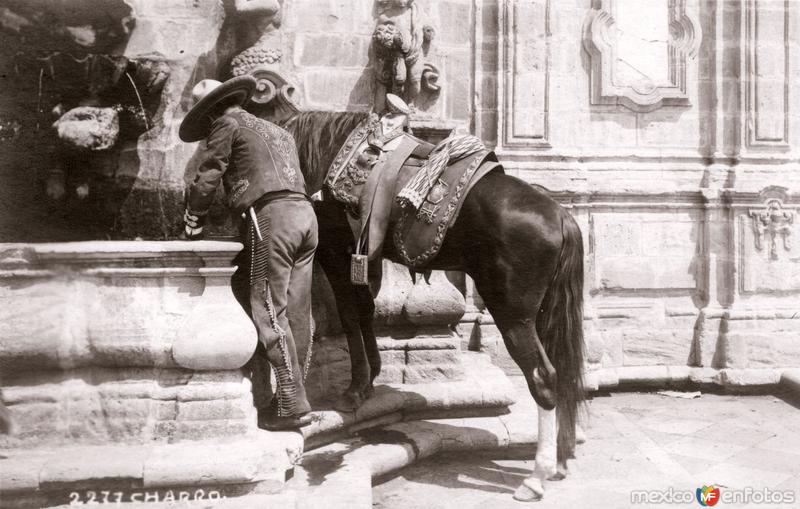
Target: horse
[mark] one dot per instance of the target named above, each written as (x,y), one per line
(523,251)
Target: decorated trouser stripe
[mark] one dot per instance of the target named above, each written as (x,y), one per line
(259,274)
(276,278)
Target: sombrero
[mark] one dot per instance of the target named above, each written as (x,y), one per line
(206,95)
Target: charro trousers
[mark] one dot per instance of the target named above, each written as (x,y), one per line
(273,285)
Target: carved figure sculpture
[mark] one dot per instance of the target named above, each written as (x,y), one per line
(770,223)
(398,41)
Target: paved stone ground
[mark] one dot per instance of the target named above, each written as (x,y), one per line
(635,441)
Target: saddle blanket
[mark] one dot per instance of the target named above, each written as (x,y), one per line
(418,234)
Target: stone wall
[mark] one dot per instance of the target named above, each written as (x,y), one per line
(675,143)
(136,189)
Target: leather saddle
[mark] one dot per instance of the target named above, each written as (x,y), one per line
(377,160)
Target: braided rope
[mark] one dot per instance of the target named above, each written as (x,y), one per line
(449,150)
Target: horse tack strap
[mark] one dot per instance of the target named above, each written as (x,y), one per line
(376,200)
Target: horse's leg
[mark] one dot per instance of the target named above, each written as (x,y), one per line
(513,290)
(366,308)
(333,255)
(337,269)
(366,314)
(532,487)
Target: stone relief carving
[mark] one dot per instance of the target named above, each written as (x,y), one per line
(273,98)
(639,52)
(261,17)
(771,223)
(401,42)
(96,96)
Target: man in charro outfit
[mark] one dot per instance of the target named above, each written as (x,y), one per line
(258,166)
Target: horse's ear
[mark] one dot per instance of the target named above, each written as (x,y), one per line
(274,95)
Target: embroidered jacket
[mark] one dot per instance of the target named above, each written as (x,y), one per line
(251,156)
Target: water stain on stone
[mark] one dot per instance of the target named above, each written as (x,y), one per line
(319,466)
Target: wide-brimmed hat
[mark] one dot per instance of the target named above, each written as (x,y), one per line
(206,95)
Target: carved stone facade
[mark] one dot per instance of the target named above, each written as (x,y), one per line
(683,175)
(671,134)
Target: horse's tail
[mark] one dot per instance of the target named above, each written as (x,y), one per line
(560,326)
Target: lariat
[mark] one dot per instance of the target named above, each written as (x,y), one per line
(449,150)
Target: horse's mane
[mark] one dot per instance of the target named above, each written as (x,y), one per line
(319,135)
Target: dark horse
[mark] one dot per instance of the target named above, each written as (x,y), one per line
(522,249)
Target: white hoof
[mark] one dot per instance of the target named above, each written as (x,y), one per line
(530,490)
(561,473)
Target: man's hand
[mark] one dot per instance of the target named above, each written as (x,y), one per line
(193,226)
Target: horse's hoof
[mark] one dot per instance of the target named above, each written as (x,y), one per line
(530,490)
(561,472)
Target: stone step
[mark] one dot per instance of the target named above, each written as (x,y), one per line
(249,466)
(130,473)
(483,390)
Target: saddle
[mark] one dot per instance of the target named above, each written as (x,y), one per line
(375,163)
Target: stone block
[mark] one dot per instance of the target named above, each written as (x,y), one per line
(36,422)
(459,104)
(392,358)
(432,357)
(212,410)
(332,50)
(164,410)
(430,343)
(390,375)
(453,23)
(202,464)
(668,347)
(175,8)
(383,458)
(645,273)
(748,376)
(600,129)
(110,467)
(436,303)
(338,89)
(488,126)
(643,374)
(664,128)
(214,386)
(424,374)
(22,473)
(593,342)
(324,16)
(175,38)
